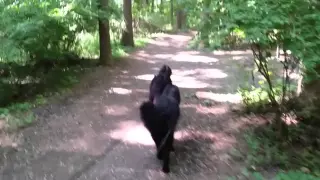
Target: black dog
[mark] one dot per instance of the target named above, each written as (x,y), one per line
(159,82)
(166,71)
(160,118)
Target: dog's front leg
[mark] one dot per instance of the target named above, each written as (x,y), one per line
(170,141)
(166,158)
(159,154)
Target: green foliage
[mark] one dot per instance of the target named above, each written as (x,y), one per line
(148,20)
(266,150)
(264,25)
(17,115)
(254,99)
(295,175)
(88,44)
(292,25)
(46,46)
(289,175)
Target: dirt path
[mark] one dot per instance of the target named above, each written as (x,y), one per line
(97,134)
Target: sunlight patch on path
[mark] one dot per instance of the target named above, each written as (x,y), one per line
(216,110)
(159,43)
(132,132)
(187,57)
(8,141)
(211,73)
(118,90)
(220,141)
(193,81)
(163,56)
(189,82)
(249,52)
(116,110)
(147,77)
(232,98)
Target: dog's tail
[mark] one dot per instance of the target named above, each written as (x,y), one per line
(147,111)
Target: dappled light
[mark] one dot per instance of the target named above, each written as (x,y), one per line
(123,83)
(183,72)
(215,110)
(290,119)
(118,90)
(219,141)
(116,110)
(189,82)
(182,82)
(186,57)
(7,141)
(190,52)
(210,73)
(195,78)
(219,52)
(2,124)
(239,123)
(163,56)
(232,98)
(131,131)
(179,37)
(146,77)
(125,72)
(295,76)
(159,43)
(239,57)
(90,142)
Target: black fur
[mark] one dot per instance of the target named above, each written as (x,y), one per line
(166,71)
(159,82)
(160,118)
(157,86)
(172,91)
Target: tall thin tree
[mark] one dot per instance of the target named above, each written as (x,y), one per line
(161,6)
(152,5)
(104,35)
(127,34)
(171,13)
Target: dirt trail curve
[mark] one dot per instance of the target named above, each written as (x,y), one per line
(96,133)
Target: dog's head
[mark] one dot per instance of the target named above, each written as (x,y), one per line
(165,70)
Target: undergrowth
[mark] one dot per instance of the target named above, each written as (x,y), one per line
(18,113)
(295,157)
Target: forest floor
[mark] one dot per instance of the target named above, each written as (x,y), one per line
(95,132)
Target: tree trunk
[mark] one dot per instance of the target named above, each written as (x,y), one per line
(204,32)
(127,34)
(161,6)
(179,19)
(104,36)
(171,13)
(152,5)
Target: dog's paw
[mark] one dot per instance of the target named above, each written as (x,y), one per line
(166,170)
